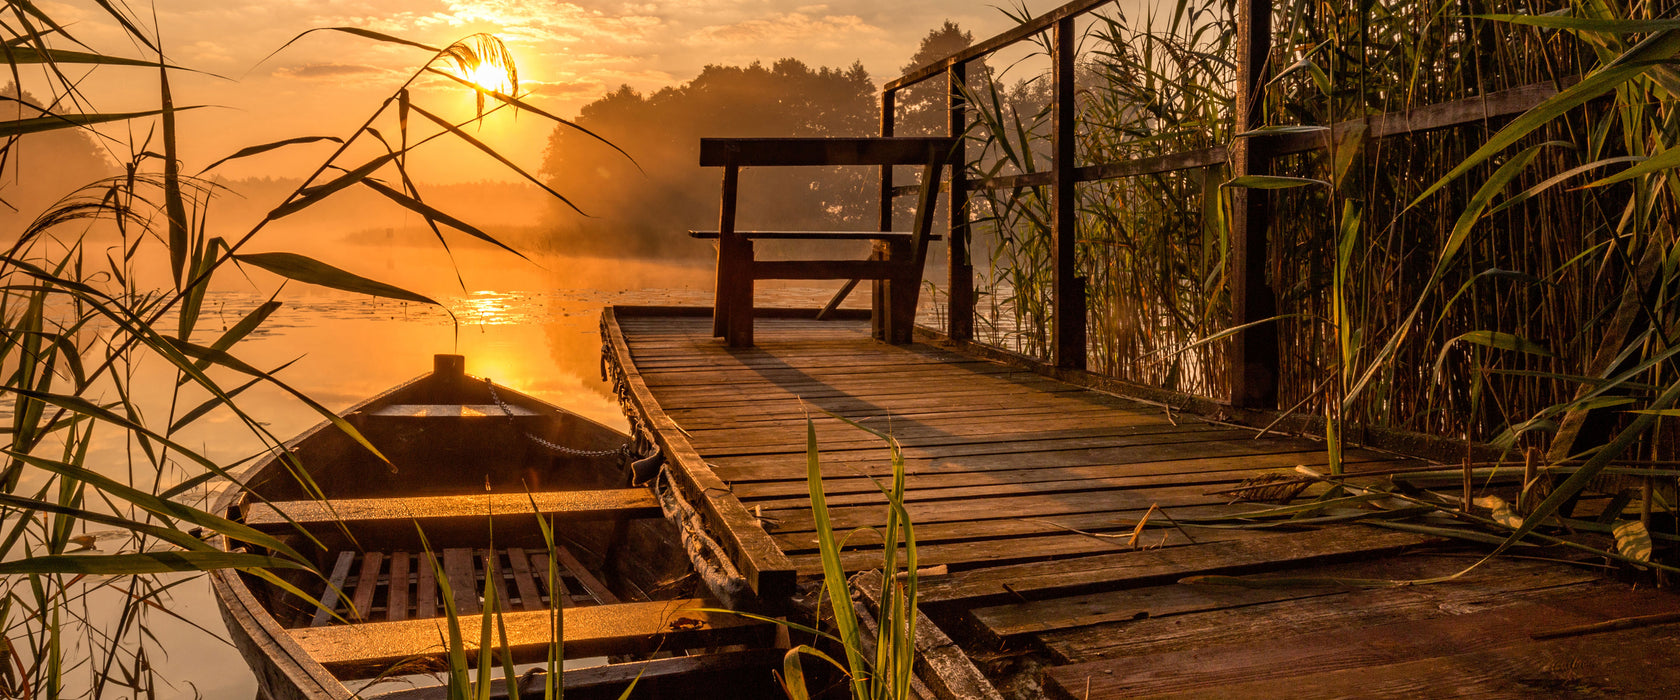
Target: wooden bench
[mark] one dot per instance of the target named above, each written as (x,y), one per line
(895,266)
(368,649)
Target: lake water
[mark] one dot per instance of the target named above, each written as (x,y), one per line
(534,328)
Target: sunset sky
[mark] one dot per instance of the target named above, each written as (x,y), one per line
(569,54)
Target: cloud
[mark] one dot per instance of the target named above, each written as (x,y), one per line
(328,71)
(786,29)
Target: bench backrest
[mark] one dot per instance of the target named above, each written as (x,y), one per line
(895,150)
(932,152)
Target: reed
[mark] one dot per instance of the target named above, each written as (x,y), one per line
(1506,283)
(88,318)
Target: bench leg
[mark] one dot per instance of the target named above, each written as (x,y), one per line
(900,306)
(730,262)
(739,332)
(878,304)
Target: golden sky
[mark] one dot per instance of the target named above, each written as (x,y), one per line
(568,52)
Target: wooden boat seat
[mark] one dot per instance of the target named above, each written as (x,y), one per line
(450,410)
(368,649)
(895,266)
(470,510)
(403,585)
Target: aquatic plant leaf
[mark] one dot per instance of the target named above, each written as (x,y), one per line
(1502,512)
(1272,182)
(1493,339)
(144,563)
(433,214)
(19,127)
(1635,62)
(30,54)
(249,151)
(311,271)
(1633,540)
(307,197)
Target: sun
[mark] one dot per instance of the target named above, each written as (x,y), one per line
(491,77)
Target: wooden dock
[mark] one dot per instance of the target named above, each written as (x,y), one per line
(1029,491)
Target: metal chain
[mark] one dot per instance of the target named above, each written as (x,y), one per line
(624,449)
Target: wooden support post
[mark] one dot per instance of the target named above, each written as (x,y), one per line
(887,107)
(1254,356)
(960,285)
(732,318)
(1068,314)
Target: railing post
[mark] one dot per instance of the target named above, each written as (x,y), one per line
(1254,355)
(887,101)
(960,285)
(1068,314)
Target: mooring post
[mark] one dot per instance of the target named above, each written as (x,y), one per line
(449,365)
(1254,356)
(1068,311)
(960,282)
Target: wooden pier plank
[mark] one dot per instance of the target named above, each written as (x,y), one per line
(1026,490)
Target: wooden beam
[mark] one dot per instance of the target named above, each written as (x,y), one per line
(1068,300)
(824,269)
(823,151)
(631,628)
(814,235)
(960,280)
(1253,369)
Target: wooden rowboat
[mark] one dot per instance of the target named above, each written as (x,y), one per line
(470,466)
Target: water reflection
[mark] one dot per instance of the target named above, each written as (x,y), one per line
(535,329)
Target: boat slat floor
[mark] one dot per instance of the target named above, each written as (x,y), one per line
(399,586)
(1030,491)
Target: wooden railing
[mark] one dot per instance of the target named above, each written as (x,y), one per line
(1254,367)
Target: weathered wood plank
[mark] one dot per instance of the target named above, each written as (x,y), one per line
(371,648)
(868,150)
(812,235)
(462,574)
(597,589)
(1303,663)
(1494,579)
(367,582)
(496,574)
(524,580)
(396,592)
(1111,571)
(738,668)
(425,587)
(335,589)
(610,503)
(1498,585)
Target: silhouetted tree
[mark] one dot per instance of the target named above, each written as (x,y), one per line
(646,213)
(922,108)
